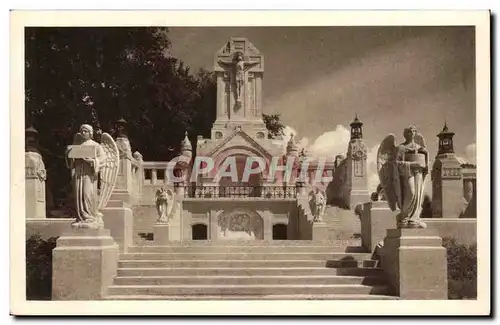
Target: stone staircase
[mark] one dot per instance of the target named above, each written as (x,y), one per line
(248,270)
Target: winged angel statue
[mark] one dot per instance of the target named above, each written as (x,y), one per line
(403,170)
(85,172)
(164,204)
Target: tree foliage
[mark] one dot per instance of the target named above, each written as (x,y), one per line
(462,269)
(274,125)
(99,75)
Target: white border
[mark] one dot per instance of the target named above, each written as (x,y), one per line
(480,19)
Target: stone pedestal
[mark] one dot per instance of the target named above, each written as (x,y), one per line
(84,264)
(163,233)
(319,231)
(376,218)
(118,218)
(415,263)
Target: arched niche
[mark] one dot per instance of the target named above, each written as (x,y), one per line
(199,231)
(280,231)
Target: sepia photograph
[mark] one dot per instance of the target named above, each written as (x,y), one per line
(334,160)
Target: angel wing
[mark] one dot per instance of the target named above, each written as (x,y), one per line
(388,172)
(170,204)
(109,170)
(419,139)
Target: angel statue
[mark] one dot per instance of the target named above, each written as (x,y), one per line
(318,204)
(403,170)
(240,67)
(164,204)
(90,161)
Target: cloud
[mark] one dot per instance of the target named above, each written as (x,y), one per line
(287,133)
(371,167)
(330,143)
(470,153)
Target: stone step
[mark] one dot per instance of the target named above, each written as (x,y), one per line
(245,263)
(249,271)
(238,290)
(246,280)
(256,297)
(245,249)
(245,256)
(246,243)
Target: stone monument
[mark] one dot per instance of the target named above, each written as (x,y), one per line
(356,167)
(164,202)
(35,176)
(87,252)
(447,183)
(239,69)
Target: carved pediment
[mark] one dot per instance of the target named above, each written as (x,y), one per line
(239,139)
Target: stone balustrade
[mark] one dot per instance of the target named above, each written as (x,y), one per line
(241,191)
(157,173)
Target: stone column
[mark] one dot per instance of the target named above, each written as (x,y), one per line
(415,264)
(376,218)
(84,264)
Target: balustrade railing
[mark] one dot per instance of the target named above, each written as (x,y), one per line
(241,191)
(155,172)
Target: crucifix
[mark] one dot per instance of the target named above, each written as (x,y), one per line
(239,67)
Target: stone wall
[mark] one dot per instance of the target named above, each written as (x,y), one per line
(47,228)
(463,230)
(271,212)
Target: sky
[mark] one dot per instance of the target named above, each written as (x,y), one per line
(319,78)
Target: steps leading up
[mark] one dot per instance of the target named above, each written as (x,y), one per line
(248,270)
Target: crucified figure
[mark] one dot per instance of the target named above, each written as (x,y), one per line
(240,67)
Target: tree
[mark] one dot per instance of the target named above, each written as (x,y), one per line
(274,125)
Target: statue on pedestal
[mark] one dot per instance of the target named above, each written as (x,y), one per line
(239,66)
(164,201)
(403,170)
(318,204)
(89,162)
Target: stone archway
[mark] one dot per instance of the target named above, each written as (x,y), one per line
(240,224)
(199,231)
(280,231)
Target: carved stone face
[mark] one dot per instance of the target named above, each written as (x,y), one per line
(85,134)
(239,57)
(410,133)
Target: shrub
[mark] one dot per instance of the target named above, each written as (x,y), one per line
(39,267)
(462,269)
